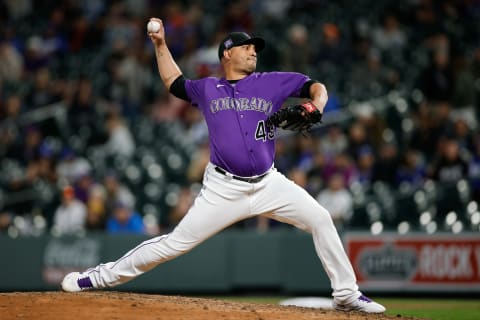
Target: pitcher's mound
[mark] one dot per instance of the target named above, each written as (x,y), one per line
(121,305)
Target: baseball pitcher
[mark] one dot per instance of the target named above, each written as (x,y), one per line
(242,111)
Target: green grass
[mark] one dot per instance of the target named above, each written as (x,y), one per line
(433,309)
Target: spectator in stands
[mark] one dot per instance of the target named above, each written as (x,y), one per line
(464,96)
(411,170)
(120,141)
(34,57)
(434,122)
(116,192)
(22,173)
(386,164)
(124,219)
(426,22)
(474,170)
(27,149)
(274,9)
(361,42)
(389,36)
(334,142)
(43,92)
(115,89)
(96,209)
(11,63)
(8,136)
(82,115)
(84,34)
(83,186)
(16,9)
(296,41)
(304,152)
(372,78)
(464,134)
(71,167)
(134,73)
(43,167)
(344,165)
(199,58)
(449,165)
(167,107)
(203,62)
(176,27)
(374,124)
(357,139)
(10,111)
(119,32)
(337,200)
(333,48)
(430,124)
(284,158)
(54,43)
(195,127)
(316,174)
(365,166)
(71,215)
(236,17)
(436,81)
(12,108)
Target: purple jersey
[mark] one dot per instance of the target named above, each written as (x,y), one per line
(235,115)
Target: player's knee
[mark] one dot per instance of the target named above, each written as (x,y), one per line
(322,218)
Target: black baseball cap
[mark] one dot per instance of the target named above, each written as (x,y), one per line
(236,39)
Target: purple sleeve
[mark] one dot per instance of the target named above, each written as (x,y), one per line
(194,89)
(291,83)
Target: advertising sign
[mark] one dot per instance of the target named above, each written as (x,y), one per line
(64,255)
(416,262)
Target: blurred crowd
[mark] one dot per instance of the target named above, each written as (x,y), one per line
(89,136)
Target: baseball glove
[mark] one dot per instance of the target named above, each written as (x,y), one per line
(299,118)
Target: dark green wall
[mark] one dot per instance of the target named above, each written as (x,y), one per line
(282,260)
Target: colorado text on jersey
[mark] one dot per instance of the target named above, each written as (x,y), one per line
(241,104)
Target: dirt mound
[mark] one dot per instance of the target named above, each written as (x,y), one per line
(121,305)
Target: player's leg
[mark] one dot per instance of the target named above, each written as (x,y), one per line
(219,204)
(291,204)
(287,202)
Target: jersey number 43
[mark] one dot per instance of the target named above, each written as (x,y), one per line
(263,132)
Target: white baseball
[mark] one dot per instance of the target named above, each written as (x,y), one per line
(153,26)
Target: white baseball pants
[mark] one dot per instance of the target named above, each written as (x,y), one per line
(224,201)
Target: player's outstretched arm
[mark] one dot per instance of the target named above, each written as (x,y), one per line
(319,95)
(167,67)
